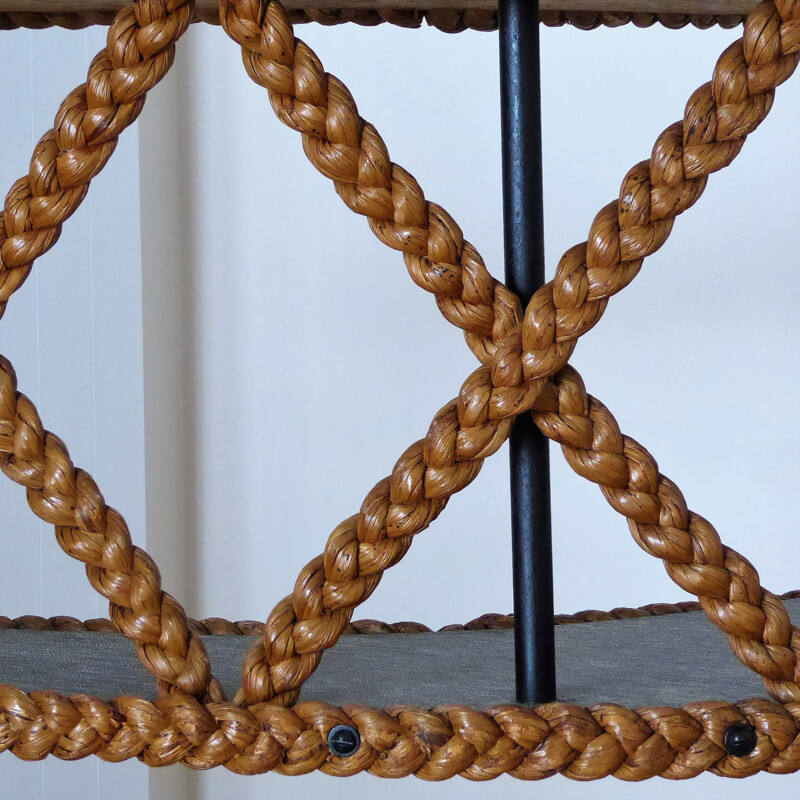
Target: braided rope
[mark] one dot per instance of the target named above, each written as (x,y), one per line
(732,615)
(217,626)
(446,20)
(139,52)
(349,150)
(528,743)
(756,621)
(93,533)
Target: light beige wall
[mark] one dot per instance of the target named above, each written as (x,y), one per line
(74,335)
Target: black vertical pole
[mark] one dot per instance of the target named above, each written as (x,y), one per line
(524,249)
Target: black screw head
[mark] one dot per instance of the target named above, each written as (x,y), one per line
(343,740)
(740,739)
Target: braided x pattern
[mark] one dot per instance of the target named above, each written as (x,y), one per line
(528,743)
(349,151)
(518,360)
(140,49)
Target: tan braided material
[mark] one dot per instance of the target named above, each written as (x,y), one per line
(756,621)
(450,458)
(217,626)
(140,50)
(97,535)
(350,151)
(447,20)
(528,743)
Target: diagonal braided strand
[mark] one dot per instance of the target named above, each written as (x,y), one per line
(755,621)
(467,430)
(527,743)
(139,52)
(329,588)
(98,536)
(349,150)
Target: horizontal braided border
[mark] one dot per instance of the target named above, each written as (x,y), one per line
(446,20)
(218,626)
(527,743)
(530,744)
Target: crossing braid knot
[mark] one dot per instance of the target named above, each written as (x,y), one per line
(521,354)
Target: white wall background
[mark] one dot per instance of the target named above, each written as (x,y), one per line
(74,335)
(288,359)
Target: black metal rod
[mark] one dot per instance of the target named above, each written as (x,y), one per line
(524,251)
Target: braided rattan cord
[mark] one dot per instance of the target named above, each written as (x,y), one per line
(350,151)
(528,743)
(465,751)
(217,626)
(506,318)
(98,536)
(756,584)
(139,52)
(452,21)
(756,621)
(447,20)
(177,697)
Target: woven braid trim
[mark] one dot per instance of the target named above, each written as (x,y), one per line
(447,20)
(763,598)
(518,361)
(528,743)
(97,535)
(779,632)
(140,50)
(217,626)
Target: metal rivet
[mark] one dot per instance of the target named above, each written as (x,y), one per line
(343,740)
(740,739)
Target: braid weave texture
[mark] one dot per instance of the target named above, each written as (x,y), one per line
(523,356)
(446,20)
(528,743)
(519,361)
